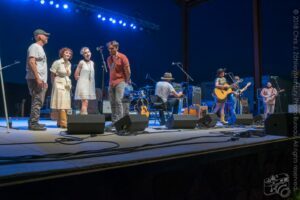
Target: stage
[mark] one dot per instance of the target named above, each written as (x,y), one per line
(28,156)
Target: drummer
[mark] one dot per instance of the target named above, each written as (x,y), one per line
(164,90)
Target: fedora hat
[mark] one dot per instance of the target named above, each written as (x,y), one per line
(167,76)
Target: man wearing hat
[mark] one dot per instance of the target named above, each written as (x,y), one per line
(164,89)
(36,76)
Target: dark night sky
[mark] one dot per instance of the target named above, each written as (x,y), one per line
(221,35)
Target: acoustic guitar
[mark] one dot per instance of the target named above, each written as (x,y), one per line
(145,111)
(272,96)
(221,94)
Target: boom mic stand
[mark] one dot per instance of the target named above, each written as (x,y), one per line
(180,66)
(104,70)
(3,91)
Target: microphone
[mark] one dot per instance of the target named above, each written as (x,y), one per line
(99,48)
(17,62)
(273,77)
(147,75)
(176,63)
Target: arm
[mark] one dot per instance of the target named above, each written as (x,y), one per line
(262,93)
(174,93)
(33,67)
(127,70)
(77,71)
(52,77)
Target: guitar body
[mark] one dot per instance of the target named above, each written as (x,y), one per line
(221,94)
(144,111)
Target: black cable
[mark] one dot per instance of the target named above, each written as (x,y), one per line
(102,152)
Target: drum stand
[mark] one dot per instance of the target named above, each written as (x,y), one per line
(3,92)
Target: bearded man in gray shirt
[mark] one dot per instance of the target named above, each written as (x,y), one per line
(36,76)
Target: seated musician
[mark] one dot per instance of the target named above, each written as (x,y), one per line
(165,90)
(221,83)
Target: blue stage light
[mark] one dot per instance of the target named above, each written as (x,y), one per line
(120,22)
(124,24)
(65,6)
(110,19)
(42,2)
(103,18)
(131,25)
(57,5)
(134,27)
(99,16)
(51,3)
(113,21)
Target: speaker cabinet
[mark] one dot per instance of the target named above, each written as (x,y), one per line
(244,119)
(284,124)
(208,120)
(182,122)
(86,124)
(132,123)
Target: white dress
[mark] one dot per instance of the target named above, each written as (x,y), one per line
(85,88)
(61,98)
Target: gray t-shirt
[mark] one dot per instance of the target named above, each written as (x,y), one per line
(35,50)
(163,89)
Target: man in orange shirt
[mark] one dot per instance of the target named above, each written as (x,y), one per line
(119,72)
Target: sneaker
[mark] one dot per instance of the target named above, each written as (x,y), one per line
(36,127)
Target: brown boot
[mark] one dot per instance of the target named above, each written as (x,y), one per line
(222,119)
(58,118)
(63,119)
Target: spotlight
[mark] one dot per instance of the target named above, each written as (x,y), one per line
(124,24)
(99,16)
(113,21)
(134,27)
(57,5)
(103,18)
(51,3)
(110,19)
(42,2)
(120,22)
(65,6)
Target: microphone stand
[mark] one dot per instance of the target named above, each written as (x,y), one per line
(3,92)
(180,66)
(104,70)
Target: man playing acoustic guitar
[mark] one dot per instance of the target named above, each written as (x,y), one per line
(269,95)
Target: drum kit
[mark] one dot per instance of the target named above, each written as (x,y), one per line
(139,98)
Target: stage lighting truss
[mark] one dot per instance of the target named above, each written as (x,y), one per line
(102,14)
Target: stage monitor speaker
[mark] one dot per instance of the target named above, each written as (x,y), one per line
(258,119)
(132,123)
(86,124)
(208,120)
(244,119)
(284,124)
(182,122)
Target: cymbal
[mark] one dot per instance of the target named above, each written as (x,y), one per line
(147,87)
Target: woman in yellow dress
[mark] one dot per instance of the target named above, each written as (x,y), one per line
(61,85)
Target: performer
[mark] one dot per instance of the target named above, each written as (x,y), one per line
(221,83)
(164,90)
(36,76)
(235,99)
(269,95)
(85,76)
(119,76)
(61,86)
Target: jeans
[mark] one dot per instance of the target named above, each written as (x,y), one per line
(116,95)
(172,103)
